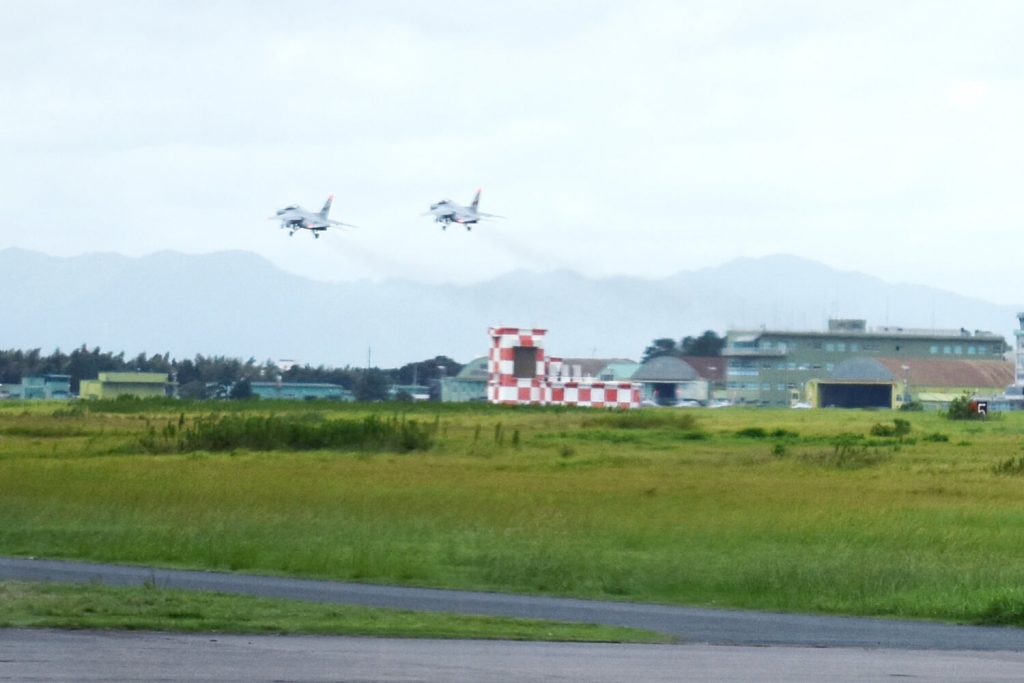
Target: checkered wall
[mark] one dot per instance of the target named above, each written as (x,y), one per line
(503,386)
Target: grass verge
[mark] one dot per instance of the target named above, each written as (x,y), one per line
(44,605)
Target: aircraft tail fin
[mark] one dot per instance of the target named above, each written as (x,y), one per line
(327,206)
(476,201)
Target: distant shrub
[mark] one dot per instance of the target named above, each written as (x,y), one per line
(73,410)
(935,437)
(899,428)
(644,419)
(783,434)
(912,407)
(779,450)
(753,433)
(695,435)
(960,409)
(850,451)
(1011,466)
(130,404)
(265,433)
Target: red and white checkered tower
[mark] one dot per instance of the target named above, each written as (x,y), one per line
(521,374)
(516,366)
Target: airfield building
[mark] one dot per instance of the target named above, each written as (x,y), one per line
(669,381)
(136,384)
(40,387)
(1018,379)
(301,391)
(774,367)
(891,382)
(469,385)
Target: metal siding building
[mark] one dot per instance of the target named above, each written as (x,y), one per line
(41,387)
(667,380)
(137,384)
(773,367)
(891,382)
(301,391)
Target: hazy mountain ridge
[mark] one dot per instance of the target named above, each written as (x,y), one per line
(237,303)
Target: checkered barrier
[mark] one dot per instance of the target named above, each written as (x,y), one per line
(622,395)
(550,383)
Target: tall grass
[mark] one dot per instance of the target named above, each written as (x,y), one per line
(289,432)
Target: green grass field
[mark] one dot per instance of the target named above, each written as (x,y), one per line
(781,510)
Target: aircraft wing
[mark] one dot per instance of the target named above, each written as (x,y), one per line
(481,214)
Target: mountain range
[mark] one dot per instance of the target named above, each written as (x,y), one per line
(239,304)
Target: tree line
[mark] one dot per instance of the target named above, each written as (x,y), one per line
(207,376)
(707,344)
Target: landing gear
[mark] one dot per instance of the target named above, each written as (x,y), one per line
(316,235)
(291,232)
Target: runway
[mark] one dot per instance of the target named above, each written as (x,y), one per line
(97,656)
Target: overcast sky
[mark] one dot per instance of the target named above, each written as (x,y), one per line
(616,137)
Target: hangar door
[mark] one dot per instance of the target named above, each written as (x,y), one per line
(853,395)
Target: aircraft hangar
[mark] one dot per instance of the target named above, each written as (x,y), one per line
(889,382)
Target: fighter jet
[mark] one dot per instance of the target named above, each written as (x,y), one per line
(294,218)
(446,212)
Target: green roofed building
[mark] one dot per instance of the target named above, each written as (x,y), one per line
(49,386)
(136,384)
(469,385)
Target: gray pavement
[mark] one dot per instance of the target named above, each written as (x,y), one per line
(690,625)
(32,655)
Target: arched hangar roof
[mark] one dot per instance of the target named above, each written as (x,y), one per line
(665,369)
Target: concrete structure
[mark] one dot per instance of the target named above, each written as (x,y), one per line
(136,384)
(668,381)
(773,367)
(1018,378)
(469,385)
(1012,396)
(519,373)
(301,391)
(40,387)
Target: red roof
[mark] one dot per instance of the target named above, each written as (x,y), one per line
(951,372)
(711,368)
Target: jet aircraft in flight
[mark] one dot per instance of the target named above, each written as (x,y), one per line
(294,218)
(446,212)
